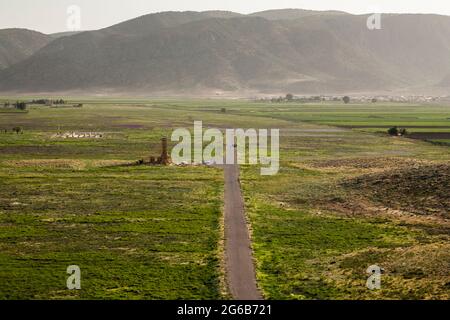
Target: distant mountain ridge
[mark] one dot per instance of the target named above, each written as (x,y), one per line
(290,50)
(19,44)
(292,14)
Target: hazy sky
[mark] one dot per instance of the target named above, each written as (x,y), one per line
(51,15)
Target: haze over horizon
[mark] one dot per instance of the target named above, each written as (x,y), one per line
(50,16)
(217,53)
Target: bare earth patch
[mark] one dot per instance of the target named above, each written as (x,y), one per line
(421,190)
(383,163)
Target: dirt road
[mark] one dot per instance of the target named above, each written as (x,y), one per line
(239,262)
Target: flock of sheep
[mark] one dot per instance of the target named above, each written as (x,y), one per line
(79,135)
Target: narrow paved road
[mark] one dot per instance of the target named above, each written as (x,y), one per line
(239,262)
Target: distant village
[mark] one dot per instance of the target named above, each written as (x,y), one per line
(361,99)
(58,103)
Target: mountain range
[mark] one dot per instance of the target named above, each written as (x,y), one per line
(219,52)
(18,44)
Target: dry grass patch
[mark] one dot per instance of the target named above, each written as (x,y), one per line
(70,164)
(383,163)
(421,190)
(421,271)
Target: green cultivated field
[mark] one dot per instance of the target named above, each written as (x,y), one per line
(344,199)
(314,238)
(136,232)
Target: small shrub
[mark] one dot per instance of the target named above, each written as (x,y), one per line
(17,130)
(393,131)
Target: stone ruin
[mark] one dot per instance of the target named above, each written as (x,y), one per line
(164,159)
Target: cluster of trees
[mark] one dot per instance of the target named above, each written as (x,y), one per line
(288,98)
(291,98)
(41,101)
(20,105)
(60,101)
(274,100)
(48,101)
(23,105)
(15,130)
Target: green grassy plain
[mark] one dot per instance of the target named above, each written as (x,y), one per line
(144,232)
(136,232)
